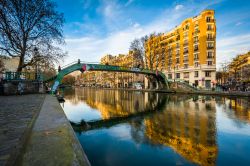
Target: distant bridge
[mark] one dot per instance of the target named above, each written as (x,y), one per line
(155,76)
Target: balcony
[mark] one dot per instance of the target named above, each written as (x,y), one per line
(210,38)
(210,29)
(196,41)
(210,20)
(196,59)
(185,61)
(210,47)
(196,49)
(196,32)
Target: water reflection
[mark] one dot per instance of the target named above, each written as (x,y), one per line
(112,103)
(188,124)
(188,127)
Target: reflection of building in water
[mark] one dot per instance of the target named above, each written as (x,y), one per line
(235,107)
(188,127)
(241,108)
(114,103)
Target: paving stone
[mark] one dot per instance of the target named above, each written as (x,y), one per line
(16,113)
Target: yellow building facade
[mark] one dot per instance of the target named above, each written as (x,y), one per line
(239,67)
(188,52)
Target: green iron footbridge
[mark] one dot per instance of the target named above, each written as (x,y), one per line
(156,79)
(153,75)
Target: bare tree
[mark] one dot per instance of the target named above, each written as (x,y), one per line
(152,59)
(137,46)
(246,73)
(29,28)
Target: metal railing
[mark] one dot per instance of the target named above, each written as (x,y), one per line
(19,76)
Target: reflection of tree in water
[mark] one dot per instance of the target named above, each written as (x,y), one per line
(137,130)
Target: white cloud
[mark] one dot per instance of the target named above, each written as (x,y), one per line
(178,7)
(229,47)
(92,48)
(110,9)
(129,2)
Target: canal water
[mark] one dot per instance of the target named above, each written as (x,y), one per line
(123,128)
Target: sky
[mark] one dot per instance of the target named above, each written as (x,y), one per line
(94,28)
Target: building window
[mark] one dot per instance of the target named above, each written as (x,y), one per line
(209,27)
(196,74)
(177,52)
(207,73)
(169,76)
(196,48)
(177,75)
(185,66)
(186,27)
(185,50)
(210,45)
(209,63)
(177,60)
(196,64)
(186,75)
(209,54)
(177,45)
(208,19)
(196,56)
(196,39)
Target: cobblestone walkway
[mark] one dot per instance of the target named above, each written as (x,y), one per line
(16,116)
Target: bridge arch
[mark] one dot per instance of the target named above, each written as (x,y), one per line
(153,75)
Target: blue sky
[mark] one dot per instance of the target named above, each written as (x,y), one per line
(94,28)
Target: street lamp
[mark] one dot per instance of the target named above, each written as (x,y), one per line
(36,54)
(174,73)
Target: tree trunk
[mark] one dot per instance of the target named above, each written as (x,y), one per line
(21,62)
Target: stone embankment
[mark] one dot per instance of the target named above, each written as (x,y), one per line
(35,131)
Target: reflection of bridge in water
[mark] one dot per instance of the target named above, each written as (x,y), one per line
(118,112)
(184,123)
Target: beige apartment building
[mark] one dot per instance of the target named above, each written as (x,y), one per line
(188,52)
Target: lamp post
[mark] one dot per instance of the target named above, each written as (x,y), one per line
(174,73)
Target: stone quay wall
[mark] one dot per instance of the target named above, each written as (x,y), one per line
(21,87)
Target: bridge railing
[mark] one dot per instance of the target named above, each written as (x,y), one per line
(184,82)
(142,70)
(84,62)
